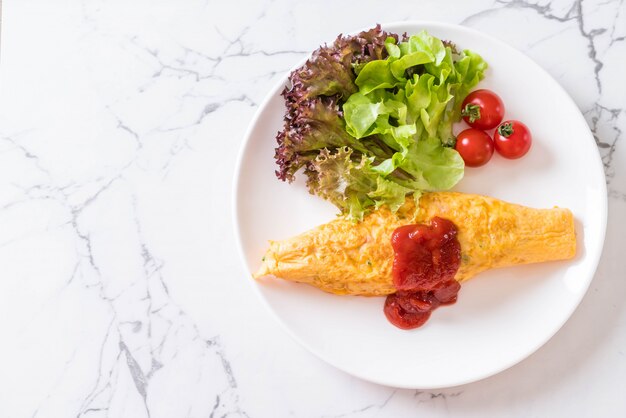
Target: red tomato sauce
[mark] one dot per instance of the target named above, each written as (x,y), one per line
(426,259)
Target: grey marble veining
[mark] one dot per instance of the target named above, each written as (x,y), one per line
(122,294)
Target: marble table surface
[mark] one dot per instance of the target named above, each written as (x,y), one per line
(122,293)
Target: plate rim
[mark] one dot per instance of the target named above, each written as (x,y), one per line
(236,189)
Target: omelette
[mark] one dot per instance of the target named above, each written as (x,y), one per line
(348,258)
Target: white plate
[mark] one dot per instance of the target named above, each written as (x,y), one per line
(502,316)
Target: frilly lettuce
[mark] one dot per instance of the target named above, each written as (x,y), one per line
(316,91)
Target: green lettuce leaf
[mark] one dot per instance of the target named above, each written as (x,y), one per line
(410,101)
(439,167)
(375,75)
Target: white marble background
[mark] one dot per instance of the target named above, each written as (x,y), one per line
(121,292)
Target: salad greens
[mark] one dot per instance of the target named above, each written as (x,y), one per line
(370,119)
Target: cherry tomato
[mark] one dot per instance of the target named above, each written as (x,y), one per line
(483,109)
(476,147)
(512,139)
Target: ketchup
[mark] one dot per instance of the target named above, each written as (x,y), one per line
(426,260)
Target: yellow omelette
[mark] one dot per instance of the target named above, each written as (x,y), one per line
(348,258)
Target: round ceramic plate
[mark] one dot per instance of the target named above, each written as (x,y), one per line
(502,316)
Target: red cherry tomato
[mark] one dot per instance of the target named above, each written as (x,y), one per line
(512,139)
(483,109)
(476,147)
